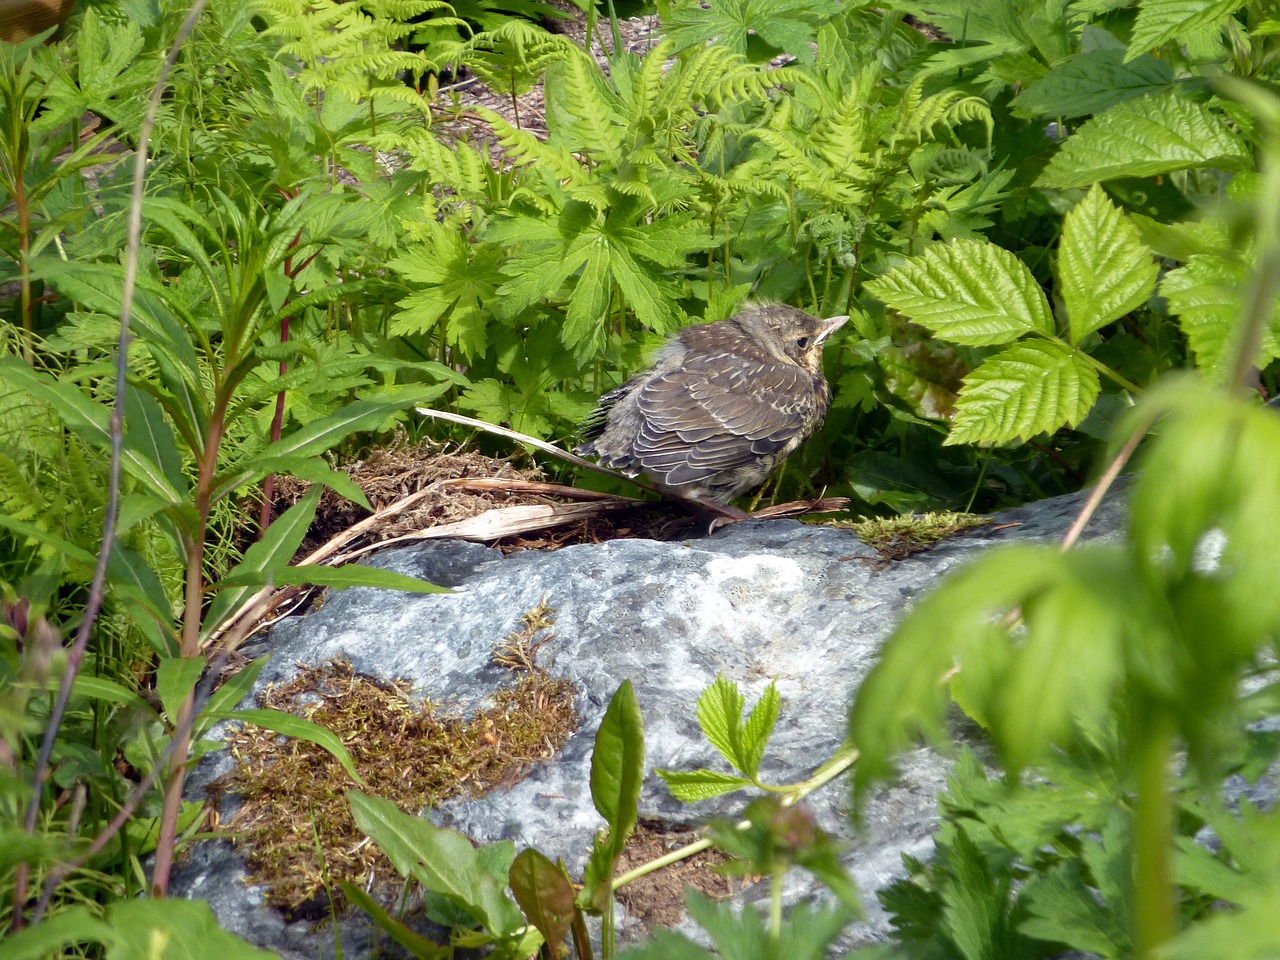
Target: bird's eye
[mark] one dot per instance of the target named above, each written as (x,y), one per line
(802,342)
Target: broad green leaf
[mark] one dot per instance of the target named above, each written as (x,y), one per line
(1092,82)
(1250,933)
(1160,21)
(1206,295)
(1062,675)
(65,547)
(1031,387)
(444,860)
(312,469)
(905,693)
(145,929)
(417,945)
(1104,268)
(53,936)
(545,895)
(287,724)
(176,677)
(1145,137)
(272,553)
(338,578)
(136,584)
(617,765)
(690,786)
(18,846)
(967,291)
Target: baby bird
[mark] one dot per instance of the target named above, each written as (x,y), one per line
(722,405)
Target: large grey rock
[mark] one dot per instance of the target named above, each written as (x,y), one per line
(803,605)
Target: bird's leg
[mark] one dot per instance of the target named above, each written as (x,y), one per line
(721,514)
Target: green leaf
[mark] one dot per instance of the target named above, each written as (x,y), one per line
(1064,910)
(720,715)
(967,291)
(319,435)
(417,945)
(100,688)
(1145,137)
(787,25)
(690,786)
(1248,934)
(86,418)
(232,690)
(147,431)
(1092,82)
(1030,387)
(264,558)
(617,765)
(443,860)
(290,726)
(338,578)
(1205,294)
(143,929)
(1160,21)
(1104,268)
(70,925)
(759,727)
(545,895)
(176,677)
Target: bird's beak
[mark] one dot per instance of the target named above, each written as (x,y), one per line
(830,326)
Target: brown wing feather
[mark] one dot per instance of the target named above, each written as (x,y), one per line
(718,413)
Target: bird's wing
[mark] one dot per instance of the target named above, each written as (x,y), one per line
(718,412)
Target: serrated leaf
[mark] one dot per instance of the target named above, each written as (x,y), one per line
(720,715)
(1160,21)
(1104,268)
(1031,387)
(1144,137)
(1064,910)
(759,727)
(690,786)
(967,291)
(1205,294)
(1092,82)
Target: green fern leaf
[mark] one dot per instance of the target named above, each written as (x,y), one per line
(1104,268)
(1030,387)
(967,291)
(1143,137)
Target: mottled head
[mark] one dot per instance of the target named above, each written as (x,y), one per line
(790,333)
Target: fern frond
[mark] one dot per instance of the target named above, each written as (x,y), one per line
(525,148)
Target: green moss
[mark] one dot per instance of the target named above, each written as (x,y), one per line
(896,538)
(294,825)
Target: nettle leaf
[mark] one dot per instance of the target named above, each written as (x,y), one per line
(1205,294)
(789,25)
(1031,387)
(1092,82)
(1160,21)
(1144,137)
(967,291)
(1105,270)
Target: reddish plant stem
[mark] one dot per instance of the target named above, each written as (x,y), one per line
(277,421)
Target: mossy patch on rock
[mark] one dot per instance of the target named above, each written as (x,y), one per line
(294,825)
(896,538)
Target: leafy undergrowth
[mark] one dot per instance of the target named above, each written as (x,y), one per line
(294,824)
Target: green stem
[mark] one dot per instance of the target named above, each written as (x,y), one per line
(1106,371)
(1154,915)
(775,913)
